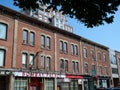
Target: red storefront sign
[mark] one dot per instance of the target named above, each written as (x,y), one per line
(74,76)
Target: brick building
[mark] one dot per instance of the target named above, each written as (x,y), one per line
(38,56)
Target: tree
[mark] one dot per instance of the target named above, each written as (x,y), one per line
(90,12)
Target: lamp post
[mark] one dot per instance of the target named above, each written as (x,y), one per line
(31,62)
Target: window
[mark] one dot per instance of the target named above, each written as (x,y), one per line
(115,70)
(43,41)
(86,68)
(77,67)
(48,42)
(99,56)
(31,61)
(73,66)
(66,65)
(20,84)
(48,63)
(119,60)
(3,31)
(104,57)
(72,49)
(92,54)
(100,70)
(2,57)
(62,64)
(24,60)
(76,50)
(106,70)
(25,37)
(32,38)
(65,47)
(85,52)
(61,46)
(93,70)
(43,62)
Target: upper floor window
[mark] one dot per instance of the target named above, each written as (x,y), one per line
(106,70)
(43,41)
(92,54)
(32,38)
(74,49)
(48,42)
(73,66)
(66,65)
(2,57)
(43,62)
(119,60)
(31,61)
(48,64)
(61,46)
(99,56)
(85,52)
(86,68)
(65,47)
(61,64)
(24,60)
(104,57)
(25,36)
(77,67)
(3,31)
(93,70)
(100,70)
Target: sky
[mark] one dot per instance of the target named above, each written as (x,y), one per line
(107,34)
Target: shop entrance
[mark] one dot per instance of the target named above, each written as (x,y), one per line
(35,84)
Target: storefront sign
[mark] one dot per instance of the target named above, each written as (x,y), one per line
(74,76)
(35,74)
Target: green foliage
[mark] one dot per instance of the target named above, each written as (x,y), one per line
(90,12)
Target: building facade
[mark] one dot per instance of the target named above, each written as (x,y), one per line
(39,56)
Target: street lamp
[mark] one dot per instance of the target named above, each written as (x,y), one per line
(31,62)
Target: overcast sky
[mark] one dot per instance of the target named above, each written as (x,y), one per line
(108,34)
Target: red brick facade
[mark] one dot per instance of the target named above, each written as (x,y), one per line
(14,46)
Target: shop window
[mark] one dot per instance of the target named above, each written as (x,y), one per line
(2,57)
(24,60)
(3,31)
(20,84)
(85,52)
(49,84)
(43,41)
(25,36)
(48,42)
(32,39)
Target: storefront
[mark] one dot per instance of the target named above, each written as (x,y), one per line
(104,81)
(35,81)
(88,82)
(70,82)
